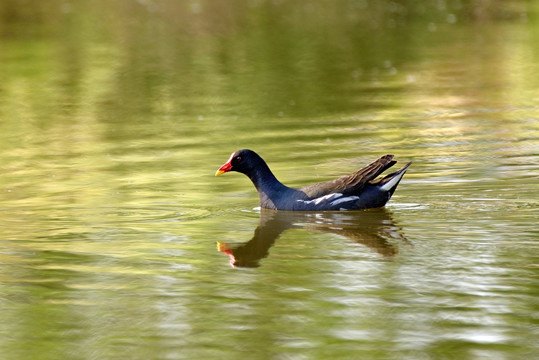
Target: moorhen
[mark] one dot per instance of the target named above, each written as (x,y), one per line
(359,190)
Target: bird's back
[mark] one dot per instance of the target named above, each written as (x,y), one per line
(352,184)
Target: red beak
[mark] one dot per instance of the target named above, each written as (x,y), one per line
(223,169)
(226,167)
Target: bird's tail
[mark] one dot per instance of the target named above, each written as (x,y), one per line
(389,182)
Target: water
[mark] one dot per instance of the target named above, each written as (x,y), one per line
(117,242)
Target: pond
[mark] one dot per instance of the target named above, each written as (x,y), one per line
(118,242)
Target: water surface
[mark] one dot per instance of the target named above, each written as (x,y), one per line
(117,242)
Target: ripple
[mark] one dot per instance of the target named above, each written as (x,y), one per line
(407,206)
(152,214)
(113,214)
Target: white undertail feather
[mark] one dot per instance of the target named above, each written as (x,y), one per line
(393,182)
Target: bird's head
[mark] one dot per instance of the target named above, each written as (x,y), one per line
(243,161)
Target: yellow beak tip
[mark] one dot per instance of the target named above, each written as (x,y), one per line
(219,172)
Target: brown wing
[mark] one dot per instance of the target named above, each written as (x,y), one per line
(353,183)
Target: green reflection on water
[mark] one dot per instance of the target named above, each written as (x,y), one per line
(115,115)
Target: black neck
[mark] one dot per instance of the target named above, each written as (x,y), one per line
(264,180)
(270,190)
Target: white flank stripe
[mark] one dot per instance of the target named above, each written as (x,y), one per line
(317,201)
(330,200)
(326,198)
(344,199)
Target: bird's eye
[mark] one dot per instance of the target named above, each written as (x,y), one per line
(238,158)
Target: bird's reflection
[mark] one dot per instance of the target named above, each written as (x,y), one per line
(372,228)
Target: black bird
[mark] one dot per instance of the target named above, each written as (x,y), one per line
(359,190)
